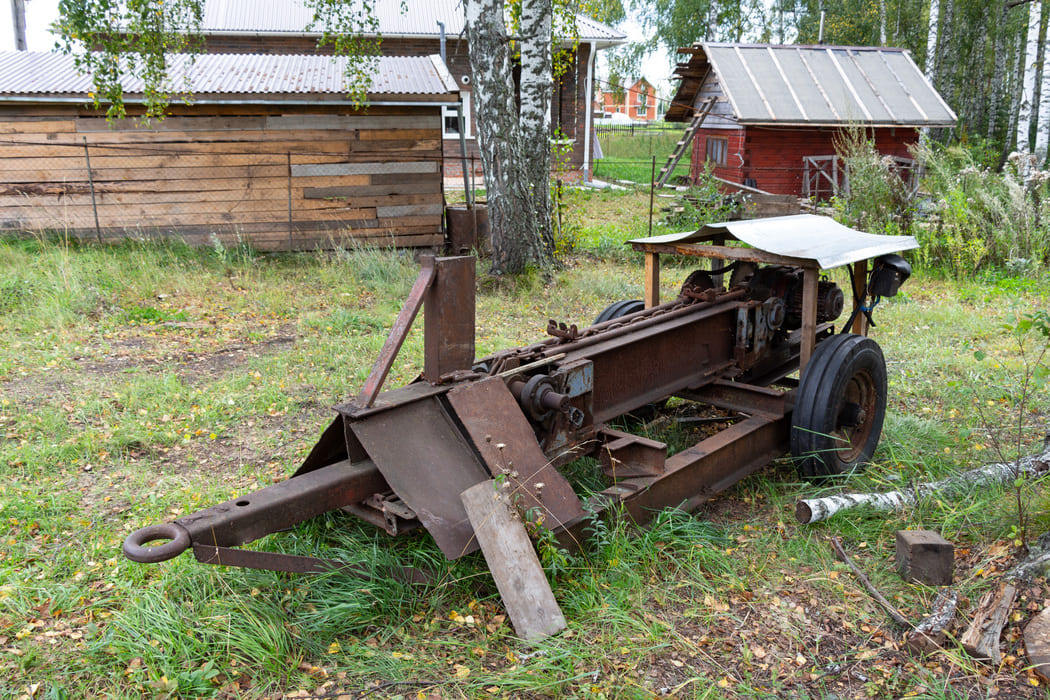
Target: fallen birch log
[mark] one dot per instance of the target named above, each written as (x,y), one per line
(812,510)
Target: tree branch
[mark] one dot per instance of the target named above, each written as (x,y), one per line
(894,614)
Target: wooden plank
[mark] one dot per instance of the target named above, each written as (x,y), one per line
(810,280)
(364,168)
(513,562)
(860,288)
(431,186)
(416,134)
(410,210)
(239,123)
(343,123)
(652,280)
(407,146)
(36,126)
(1037,644)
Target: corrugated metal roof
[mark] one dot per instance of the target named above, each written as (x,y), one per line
(24,73)
(813,85)
(803,236)
(419,18)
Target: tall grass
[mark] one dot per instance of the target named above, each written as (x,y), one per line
(967,218)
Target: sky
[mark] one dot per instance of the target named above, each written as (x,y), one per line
(41,13)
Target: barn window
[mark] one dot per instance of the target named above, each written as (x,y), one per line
(718,150)
(450,119)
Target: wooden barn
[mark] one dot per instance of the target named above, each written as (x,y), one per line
(270,151)
(421,28)
(768,116)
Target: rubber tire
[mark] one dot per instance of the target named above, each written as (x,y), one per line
(844,369)
(620,308)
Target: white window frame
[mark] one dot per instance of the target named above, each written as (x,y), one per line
(449,111)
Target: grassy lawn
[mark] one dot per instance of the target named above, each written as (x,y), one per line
(142,382)
(630,156)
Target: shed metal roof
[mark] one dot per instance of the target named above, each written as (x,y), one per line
(419,19)
(812,85)
(213,77)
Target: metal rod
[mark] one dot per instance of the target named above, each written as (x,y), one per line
(398,333)
(290,245)
(91,183)
(652,194)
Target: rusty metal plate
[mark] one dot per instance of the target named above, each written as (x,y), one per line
(502,435)
(428,463)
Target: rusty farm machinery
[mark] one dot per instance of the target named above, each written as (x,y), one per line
(735,338)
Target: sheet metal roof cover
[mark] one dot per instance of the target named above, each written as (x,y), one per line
(24,73)
(817,85)
(420,19)
(803,236)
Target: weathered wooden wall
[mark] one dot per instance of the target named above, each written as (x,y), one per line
(278,178)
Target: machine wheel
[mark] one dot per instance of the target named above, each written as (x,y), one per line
(620,308)
(841,404)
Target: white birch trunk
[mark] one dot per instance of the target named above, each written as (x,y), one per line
(816,509)
(1042,133)
(1026,112)
(1001,50)
(882,22)
(931,41)
(514,143)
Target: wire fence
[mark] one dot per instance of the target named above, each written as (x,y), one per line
(638,128)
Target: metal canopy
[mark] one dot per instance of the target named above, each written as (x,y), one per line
(803,236)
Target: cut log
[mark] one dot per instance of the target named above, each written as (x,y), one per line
(1037,644)
(929,635)
(812,510)
(981,639)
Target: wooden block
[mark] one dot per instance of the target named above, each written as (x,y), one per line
(513,562)
(926,557)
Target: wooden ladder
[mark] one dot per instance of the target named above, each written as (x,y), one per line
(687,138)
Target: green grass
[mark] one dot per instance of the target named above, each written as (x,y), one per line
(141,382)
(631,157)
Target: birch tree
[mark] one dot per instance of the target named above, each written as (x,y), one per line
(1027,113)
(1042,132)
(931,42)
(514,140)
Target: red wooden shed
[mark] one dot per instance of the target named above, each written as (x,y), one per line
(768,116)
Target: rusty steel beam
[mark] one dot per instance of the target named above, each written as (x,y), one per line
(398,333)
(448,319)
(692,476)
(284,504)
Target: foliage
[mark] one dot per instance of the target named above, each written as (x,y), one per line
(879,199)
(114,39)
(976,66)
(982,218)
(1026,375)
(703,203)
(134,36)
